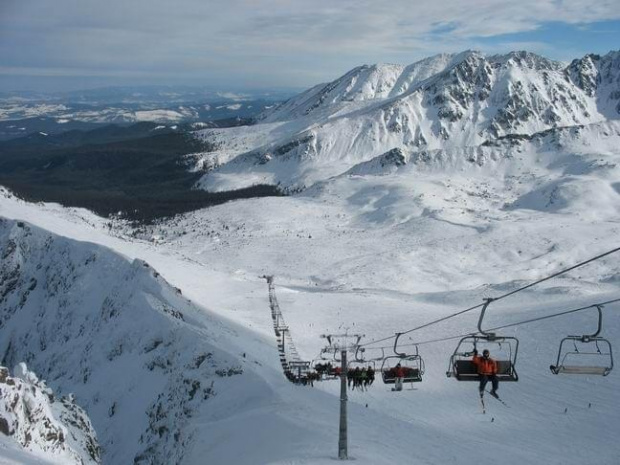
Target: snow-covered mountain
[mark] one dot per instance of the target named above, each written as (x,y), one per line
(385,237)
(359,253)
(443,102)
(41,423)
(115,334)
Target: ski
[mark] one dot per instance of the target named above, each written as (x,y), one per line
(484,410)
(499,400)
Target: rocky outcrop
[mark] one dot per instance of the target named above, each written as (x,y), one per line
(35,418)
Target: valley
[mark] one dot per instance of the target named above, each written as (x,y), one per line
(162,327)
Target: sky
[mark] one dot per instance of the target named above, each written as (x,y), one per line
(252,44)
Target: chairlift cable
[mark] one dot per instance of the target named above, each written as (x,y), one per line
(554,275)
(532,320)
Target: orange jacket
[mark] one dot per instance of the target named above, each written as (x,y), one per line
(485,366)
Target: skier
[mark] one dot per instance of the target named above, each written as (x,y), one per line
(363,379)
(350,379)
(371,376)
(356,377)
(487,369)
(400,375)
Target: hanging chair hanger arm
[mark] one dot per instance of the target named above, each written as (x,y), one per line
(587,337)
(599,308)
(487,302)
(400,354)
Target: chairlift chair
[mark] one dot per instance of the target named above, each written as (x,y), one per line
(324,366)
(585,350)
(299,369)
(503,350)
(360,361)
(359,366)
(334,359)
(412,365)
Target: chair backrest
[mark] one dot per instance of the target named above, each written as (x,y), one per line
(465,367)
(504,367)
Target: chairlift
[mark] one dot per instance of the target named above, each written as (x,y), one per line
(412,365)
(360,361)
(503,350)
(361,372)
(299,370)
(323,366)
(329,368)
(577,360)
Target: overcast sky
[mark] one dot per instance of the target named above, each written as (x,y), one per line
(64,44)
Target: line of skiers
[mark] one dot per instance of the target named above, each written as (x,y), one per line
(357,377)
(360,378)
(326,370)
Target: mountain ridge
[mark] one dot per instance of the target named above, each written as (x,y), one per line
(446,101)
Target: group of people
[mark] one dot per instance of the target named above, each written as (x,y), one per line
(357,378)
(360,378)
(325,370)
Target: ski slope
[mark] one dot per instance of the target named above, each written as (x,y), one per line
(382,240)
(377,254)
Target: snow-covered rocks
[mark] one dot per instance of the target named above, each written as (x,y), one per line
(138,356)
(43,424)
(444,102)
(376,254)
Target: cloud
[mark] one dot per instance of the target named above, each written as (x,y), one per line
(275,41)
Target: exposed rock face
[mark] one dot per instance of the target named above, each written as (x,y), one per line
(32,416)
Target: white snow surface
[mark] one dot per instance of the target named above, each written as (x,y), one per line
(63,114)
(163,115)
(11,453)
(356,252)
(422,190)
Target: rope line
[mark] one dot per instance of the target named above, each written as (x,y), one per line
(554,275)
(510,325)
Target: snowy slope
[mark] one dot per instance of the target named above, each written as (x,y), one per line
(11,453)
(447,101)
(376,255)
(115,334)
(163,381)
(428,188)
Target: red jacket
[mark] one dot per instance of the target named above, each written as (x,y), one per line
(485,366)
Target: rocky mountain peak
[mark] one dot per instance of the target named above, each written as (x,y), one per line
(526,60)
(445,101)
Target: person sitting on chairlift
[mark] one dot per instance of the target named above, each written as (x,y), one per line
(370,376)
(487,369)
(399,372)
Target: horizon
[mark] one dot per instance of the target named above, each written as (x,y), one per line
(256,90)
(72,45)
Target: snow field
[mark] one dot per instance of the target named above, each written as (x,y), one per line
(373,254)
(352,256)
